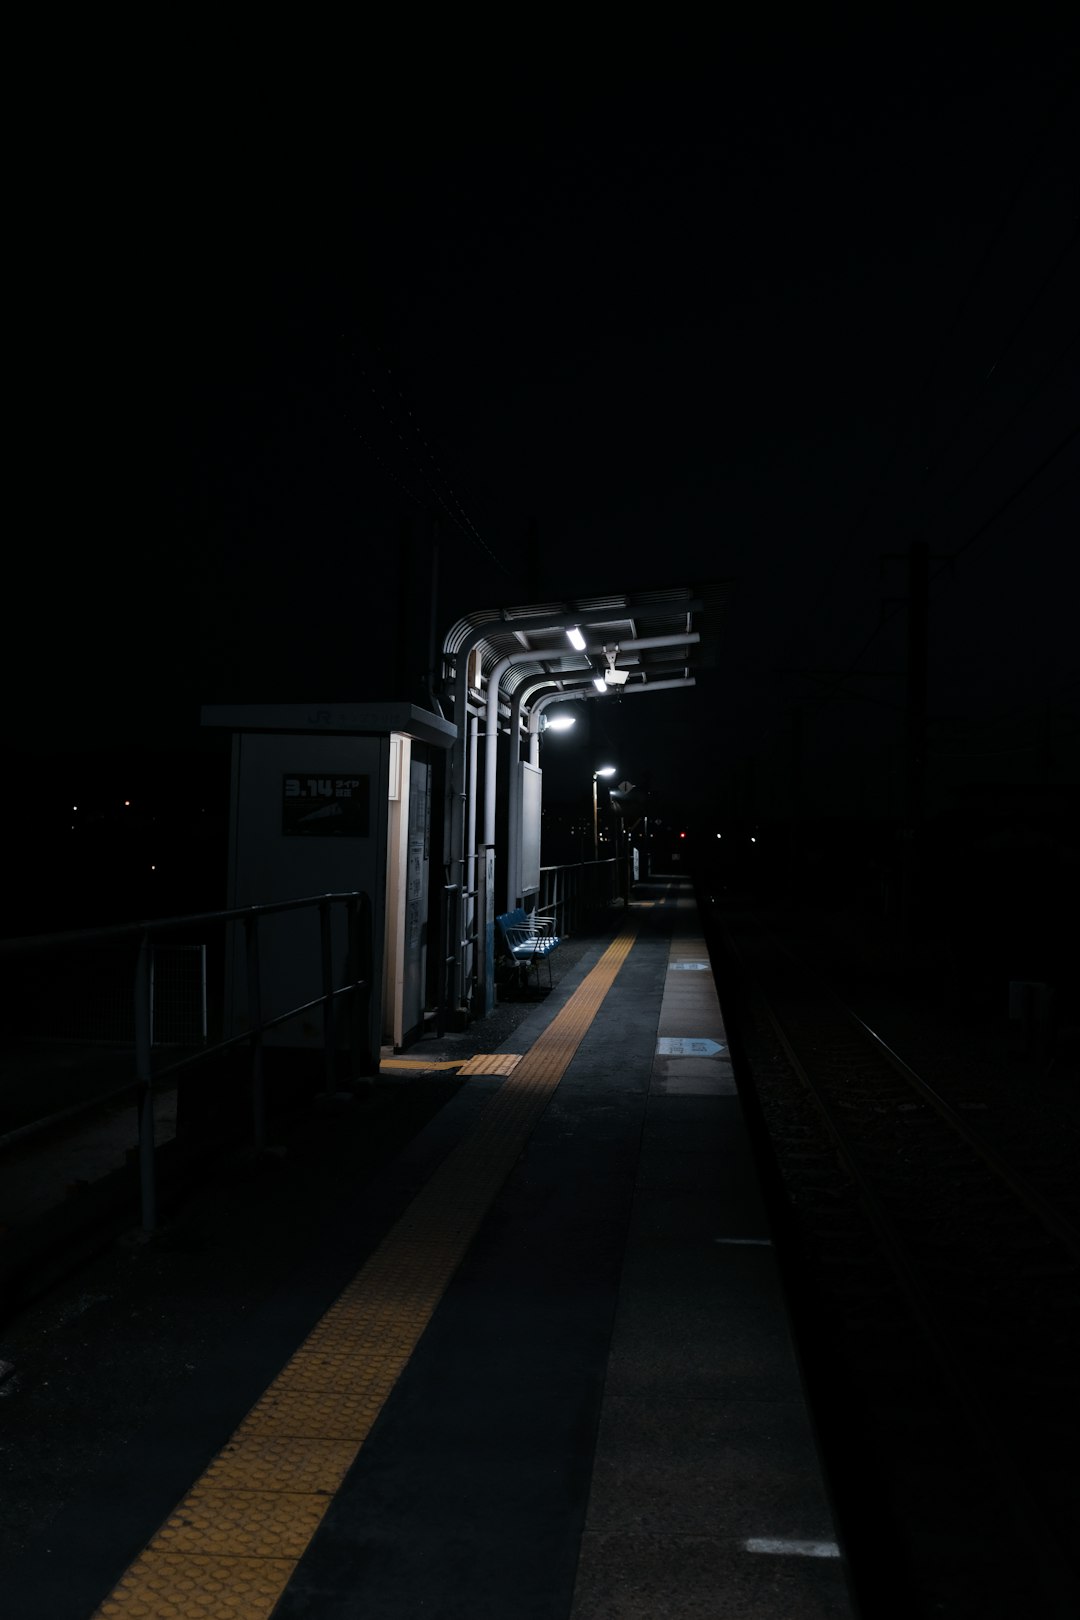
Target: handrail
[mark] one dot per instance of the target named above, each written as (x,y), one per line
(574,866)
(574,890)
(451,900)
(136,930)
(358,959)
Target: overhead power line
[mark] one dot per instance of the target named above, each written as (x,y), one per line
(994,517)
(448,501)
(465,518)
(1010,500)
(985,257)
(1018,325)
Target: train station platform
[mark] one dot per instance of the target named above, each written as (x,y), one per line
(538,1369)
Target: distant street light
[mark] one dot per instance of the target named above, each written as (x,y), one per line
(604,770)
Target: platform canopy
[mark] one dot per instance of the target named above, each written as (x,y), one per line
(609,622)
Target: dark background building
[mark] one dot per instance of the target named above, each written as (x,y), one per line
(586,317)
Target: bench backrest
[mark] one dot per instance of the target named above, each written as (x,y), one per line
(513,919)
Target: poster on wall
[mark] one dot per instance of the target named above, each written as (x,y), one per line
(324,806)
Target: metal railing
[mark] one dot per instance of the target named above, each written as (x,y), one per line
(449,933)
(86,1000)
(147,1079)
(575,894)
(459,931)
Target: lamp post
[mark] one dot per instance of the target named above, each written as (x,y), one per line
(604,770)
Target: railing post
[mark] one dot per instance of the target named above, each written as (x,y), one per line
(448,932)
(353,977)
(364,957)
(329,1019)
(145,1083)
(153,973)
(258,1108)
(365,1060)
(202,991)
(486,927)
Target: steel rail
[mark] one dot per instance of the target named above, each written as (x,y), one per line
(1053,1559)
(1059,1225)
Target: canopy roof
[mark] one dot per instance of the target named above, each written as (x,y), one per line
(605,621)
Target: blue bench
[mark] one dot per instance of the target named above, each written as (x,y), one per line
(528,940)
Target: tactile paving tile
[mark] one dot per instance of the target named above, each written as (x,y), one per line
(494,1063)
(229,1548)
(273,1463)
(227,1523)
(341,1414)
(182,1586)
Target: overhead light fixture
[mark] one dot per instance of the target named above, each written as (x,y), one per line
(600,683)
(560,722)
(577,640)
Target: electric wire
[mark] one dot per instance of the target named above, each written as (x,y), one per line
(943,449)
(459,517)
(1010,500)
(449,487)
(1032,394)
(998,513)
(878,484)
(369,445)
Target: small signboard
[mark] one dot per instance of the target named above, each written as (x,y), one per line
(687,967)
(324,806)
(687,1046)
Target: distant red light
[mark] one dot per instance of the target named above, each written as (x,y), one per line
(682,835)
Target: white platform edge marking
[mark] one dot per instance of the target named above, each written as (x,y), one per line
(800,1549)
(688,1046)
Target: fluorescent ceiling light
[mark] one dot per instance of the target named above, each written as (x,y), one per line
(561,722)
(577,640)
(600,683)
(606,770)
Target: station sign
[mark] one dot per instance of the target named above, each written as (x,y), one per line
(324,806)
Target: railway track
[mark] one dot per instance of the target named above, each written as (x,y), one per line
(948,1267)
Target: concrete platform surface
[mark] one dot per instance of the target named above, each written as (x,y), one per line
(600,1414)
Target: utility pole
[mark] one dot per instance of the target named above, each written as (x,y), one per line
(403,680)
(918,615)
(433,610)
(918,642)
(795,839)
(533,561)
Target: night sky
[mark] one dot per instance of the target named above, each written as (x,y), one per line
(765,309)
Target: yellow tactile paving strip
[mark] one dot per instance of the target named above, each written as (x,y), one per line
(228,1550)
(482,1063)
(491,1063)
